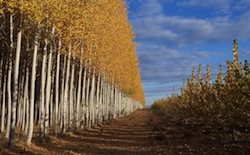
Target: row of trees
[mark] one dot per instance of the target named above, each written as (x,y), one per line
(67,64)
(226,101)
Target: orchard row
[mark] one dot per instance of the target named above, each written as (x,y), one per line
(70,64)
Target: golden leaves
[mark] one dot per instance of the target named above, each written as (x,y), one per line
(101,26)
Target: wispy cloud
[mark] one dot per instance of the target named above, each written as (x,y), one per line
(161,64)
(220,5)
(181,30)
(150,7)
(242,4)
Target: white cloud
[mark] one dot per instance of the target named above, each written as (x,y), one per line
(146,7)
(186,30)
(241,5)
(162,64)
(223,6)
(150,7)
(220,6)
(150,28)
(152,23)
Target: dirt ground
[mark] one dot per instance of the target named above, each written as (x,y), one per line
(143,132)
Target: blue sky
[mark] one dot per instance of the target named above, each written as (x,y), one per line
(173,36)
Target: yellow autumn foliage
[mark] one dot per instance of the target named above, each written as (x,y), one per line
(224,102)
(101,27)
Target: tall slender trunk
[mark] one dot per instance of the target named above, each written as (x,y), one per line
(106,115)
(91,101)
(109,103)
(106,95)
(42,90)
(57,87)
(26,94)
(1,69)
(52,84)
(62,93)
(3,100)
(51,105)
(71,96)
(48,90)
(115,98)
(66,90)
(20,97)
(27,101)
(9,100)
(84,97)
(32,92)
(101,100)
(97,107)
(9,77)
(79,92)
(26,87)
(15,95)
(87,101)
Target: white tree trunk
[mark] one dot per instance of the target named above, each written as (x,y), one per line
(9,77)
(65,101)
(71,95)
(32,92)
(52,84)
(42,90)
(1,72)
(25,97)
(15,95)
(101,101)
(57,87)
(48,90)
(51,109)
(87,101)
(91,100)
(3,102)
(9,100)
(106,102)
(83,98)
(20,98)
(97,107)
(27,114)
(115,98)
(1,69)
(79,92)
(62,94)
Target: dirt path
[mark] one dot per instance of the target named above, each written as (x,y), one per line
(143,132)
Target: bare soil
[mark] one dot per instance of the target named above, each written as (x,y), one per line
(143,132)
